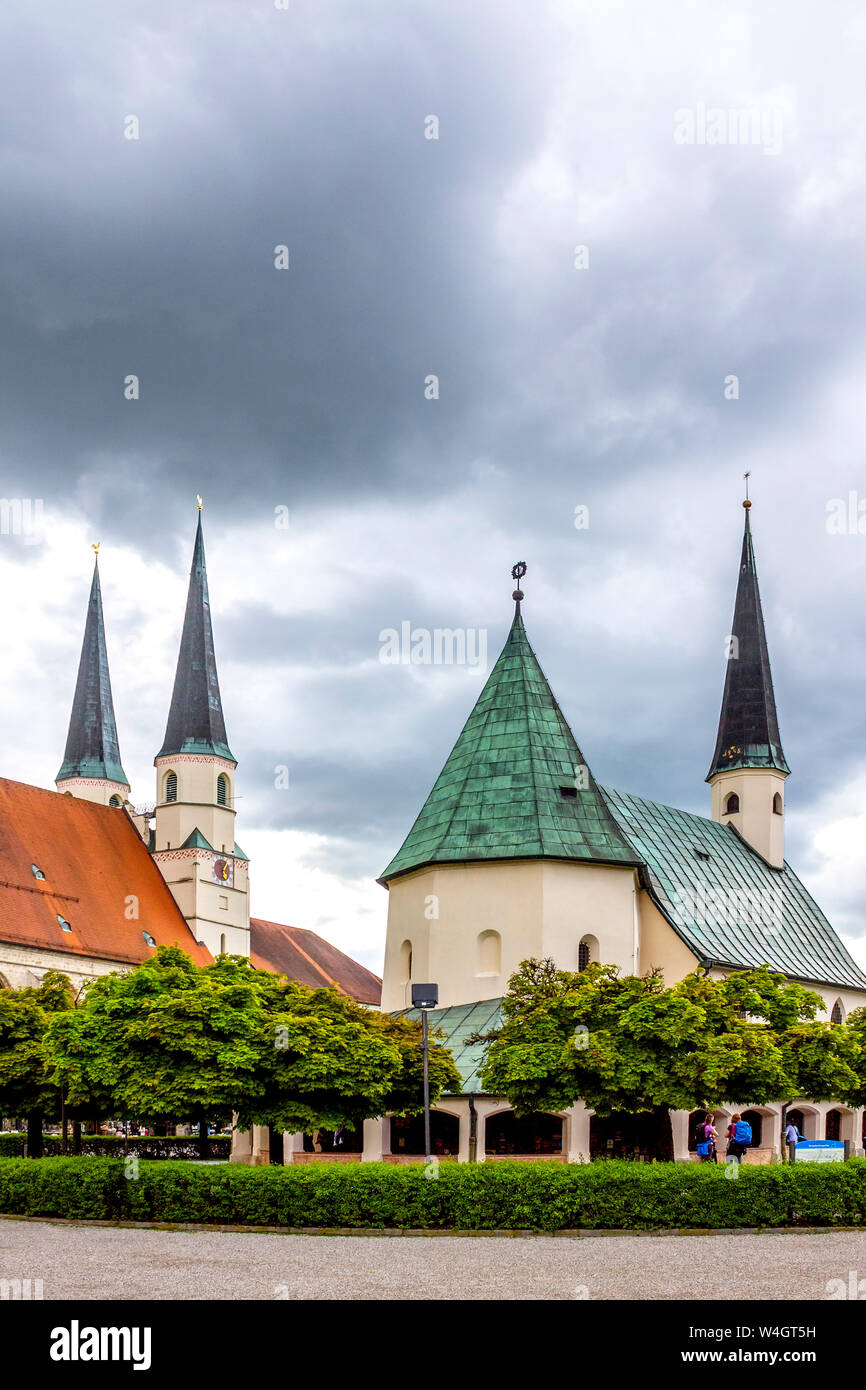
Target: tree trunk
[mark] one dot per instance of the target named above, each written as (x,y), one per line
(34,1134)
(202,1138)
(76,1136)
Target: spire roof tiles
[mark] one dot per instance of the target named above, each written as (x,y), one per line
(91,744)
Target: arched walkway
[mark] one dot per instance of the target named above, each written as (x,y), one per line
(507,1134)
(643,1137)
(407,1134)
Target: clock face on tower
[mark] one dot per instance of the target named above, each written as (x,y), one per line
(223,871)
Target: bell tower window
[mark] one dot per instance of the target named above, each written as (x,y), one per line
(777,804)
(732,804)
(171,786)
(222,790)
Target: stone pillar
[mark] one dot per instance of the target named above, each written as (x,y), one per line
(465,1125)
(377,1134)
(292,1144)
(680,1135)
(576,1136)
(242,1142)
(261,1146)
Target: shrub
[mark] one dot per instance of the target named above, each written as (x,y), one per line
(494,1196)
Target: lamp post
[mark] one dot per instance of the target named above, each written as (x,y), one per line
(425,997)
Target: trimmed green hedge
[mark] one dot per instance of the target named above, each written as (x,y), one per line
(106,1145)
(490,1196)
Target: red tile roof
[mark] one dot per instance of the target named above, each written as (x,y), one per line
(93,860)
(303,956)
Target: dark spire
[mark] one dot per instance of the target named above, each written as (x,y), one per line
(748,726)
(195,720)
(91,744)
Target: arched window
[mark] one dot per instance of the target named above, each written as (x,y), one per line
(115,801)
(171,786)
(732,804)
(406,961)
(777,804)
(833,1125)
(489,953)
(838,1013)
(222,790)
(587,951)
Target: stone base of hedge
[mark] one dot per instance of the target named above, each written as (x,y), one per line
(501,1196)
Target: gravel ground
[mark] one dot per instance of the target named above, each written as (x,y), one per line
(84,1262)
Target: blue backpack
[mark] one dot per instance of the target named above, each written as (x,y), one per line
(742,1132)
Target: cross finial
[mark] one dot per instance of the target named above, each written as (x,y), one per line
(747,504)
(198,499)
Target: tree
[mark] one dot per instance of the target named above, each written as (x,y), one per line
(26,1083)
(627,1043)
(172,1041)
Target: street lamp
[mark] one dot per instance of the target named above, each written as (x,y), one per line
(425,997)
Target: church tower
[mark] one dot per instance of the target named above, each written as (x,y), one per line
(194,843)
(91,766)
(748,772)
(515,852)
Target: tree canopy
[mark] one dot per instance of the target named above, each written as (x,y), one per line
(628,1043)
(174,1041)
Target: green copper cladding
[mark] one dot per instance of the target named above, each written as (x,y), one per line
(91,745)
(195,719)
(748,725)
(516,785)
(725,902)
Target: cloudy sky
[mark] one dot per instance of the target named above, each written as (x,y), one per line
(599,379)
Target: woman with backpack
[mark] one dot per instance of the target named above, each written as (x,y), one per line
(706,1136)
(739,1138)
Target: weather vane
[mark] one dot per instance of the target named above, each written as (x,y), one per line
(517,573)
(96,545)
(747,503)
(198,499)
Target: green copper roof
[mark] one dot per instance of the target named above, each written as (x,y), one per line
(195,840)
(195,719)
(457,1024)
(748,726)
(725,902)
(91,745)
(515,785)
(238,853)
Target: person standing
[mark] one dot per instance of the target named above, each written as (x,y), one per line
(792,1139)
(739,1138)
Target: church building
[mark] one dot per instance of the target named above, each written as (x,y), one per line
(90,884)
(518,852)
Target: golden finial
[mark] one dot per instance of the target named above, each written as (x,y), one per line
(198,499)
(96,545)
(747,504)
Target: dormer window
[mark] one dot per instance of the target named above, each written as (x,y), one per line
(149,941)
(63,924)
(37,872)
(702,853)
(568,792)
(732,804)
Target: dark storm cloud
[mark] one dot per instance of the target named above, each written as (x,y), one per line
(454,257)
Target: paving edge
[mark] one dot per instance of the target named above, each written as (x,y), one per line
(410,1231)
